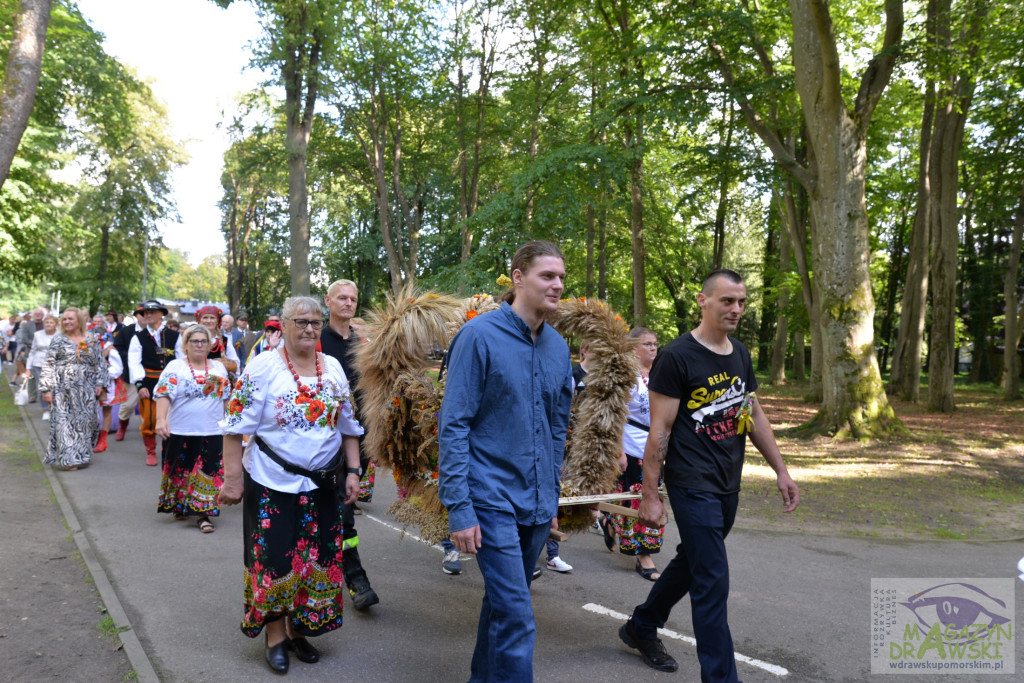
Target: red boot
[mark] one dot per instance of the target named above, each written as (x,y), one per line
(150,442)
(121,429)
(101,443)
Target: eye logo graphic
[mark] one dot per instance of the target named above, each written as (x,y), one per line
(966,613)
(959,625)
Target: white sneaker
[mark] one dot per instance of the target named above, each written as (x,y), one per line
(557,564)
(46,416)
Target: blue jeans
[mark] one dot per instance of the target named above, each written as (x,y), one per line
(701,569)
(505,635)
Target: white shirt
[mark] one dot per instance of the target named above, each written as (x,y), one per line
(196,409)
(137,373)
(114,369)
(40,343)
(307,433)
(634,439)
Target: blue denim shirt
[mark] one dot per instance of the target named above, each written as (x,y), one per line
(503,420)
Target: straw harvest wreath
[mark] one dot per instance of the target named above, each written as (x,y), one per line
(401,401)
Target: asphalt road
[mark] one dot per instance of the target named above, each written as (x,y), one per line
(799,606)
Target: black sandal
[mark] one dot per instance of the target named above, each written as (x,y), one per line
(205,525)
(647,573)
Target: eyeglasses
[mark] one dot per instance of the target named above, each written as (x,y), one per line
(198,342)
(650,345)
(302,323)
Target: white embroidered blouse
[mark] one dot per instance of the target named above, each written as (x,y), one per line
(304,430)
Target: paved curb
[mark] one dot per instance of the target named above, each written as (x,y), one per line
(137,655)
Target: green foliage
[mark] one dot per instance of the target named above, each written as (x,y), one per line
(90,181)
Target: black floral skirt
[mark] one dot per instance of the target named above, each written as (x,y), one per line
(293,546)
(193,473)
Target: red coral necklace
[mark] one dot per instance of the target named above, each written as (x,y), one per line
(303,389)
(206,369)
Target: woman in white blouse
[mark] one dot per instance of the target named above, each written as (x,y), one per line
(635,539)
(190,396)
(37,354)
(295,406)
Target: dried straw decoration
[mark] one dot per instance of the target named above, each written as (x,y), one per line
(401,402)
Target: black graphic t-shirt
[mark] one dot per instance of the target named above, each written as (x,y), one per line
(706,447)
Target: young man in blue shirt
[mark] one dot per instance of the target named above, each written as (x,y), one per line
(502,435)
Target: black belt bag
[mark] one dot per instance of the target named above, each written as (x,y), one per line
(326,478)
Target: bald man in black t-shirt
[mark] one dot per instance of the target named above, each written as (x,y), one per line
(702,409)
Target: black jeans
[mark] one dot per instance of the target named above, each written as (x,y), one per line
(701,569)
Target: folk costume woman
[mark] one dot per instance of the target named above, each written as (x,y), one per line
(115,389)
(295,406)
(221,348)
(74,376)
(635,539)
(190,399)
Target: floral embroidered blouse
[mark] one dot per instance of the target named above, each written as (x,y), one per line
(196,409)
(304,430)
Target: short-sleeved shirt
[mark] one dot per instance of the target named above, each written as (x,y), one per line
(196,409)
(305,431)
(634,439)
(705,450)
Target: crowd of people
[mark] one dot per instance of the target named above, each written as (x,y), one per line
(271,420)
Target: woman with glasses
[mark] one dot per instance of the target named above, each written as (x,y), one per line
(295,406)
(635,539)
(190,396)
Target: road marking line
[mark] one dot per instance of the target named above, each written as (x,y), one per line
(464,556)
(770,668)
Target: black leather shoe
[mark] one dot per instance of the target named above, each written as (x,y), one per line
(304,650)
(277,657)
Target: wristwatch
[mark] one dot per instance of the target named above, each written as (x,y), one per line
(357,471)
(138,385)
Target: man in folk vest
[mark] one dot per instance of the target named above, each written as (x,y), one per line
(122,340)
(150,350)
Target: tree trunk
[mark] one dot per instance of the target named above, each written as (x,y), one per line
(725,131)
(854,402)
(769,312)
(799,349)
(905,376)
(778,364)
(954,99)
(896,268)
(796,220)
(21,77)
(301,80)
(1011,360)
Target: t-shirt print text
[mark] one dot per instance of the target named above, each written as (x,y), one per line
(715,409)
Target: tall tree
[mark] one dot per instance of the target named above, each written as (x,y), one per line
(1011,359)
(956,90)
(298,35)
(21,77)
(854,402)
